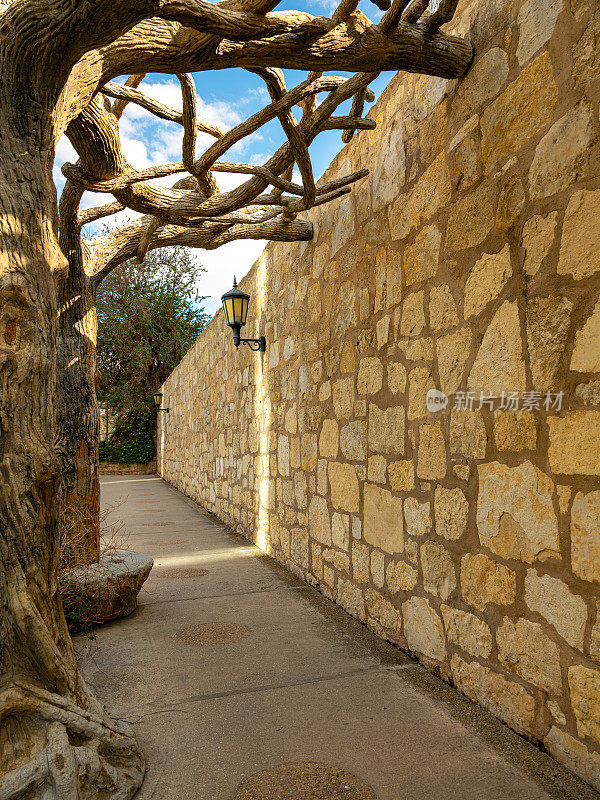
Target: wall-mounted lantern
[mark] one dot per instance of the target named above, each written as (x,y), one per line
(235,304)
(158,401)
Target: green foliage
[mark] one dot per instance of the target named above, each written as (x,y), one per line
(149,315)
(129,446)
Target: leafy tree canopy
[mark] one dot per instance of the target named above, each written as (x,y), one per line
(149,315)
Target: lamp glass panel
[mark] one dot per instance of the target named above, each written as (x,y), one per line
(244,310)
(228,306)
(237,310)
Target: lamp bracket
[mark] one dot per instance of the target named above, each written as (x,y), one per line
(259,344)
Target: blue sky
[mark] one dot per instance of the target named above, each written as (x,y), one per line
(226,97)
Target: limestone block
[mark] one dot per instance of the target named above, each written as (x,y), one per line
(481,84)
(345,493)
(439,575)
(442,308)
(401,475)
(347,359)
(376,469)
(383,331)
(419,383)
(423,629)
(417,517)
(378,568)
(515,430)
(350,597)
(417,349)
(386,429)
(453,352)
(344,315)
(575,443)
(451,511)
(585,535)
(584,689)
(360,562)
(383,526)
(431,462)
(344,222)
(430,193)
(340,530)
(343,397)
(388,167)
(486,280)
(586,353)
(589,392)
(595,635)
(574,754)
(308,452)
(299,547)
(537,19)
(401,577)
(586,55)
(467,434)
(300,489)
(553,599)
(471,217)
(467,631)
(561,158)
(396,373)
(413,315)
(353,440)
(579,251)
(465,159)
(485,581)
(328,440)
(318,520)
(515,514)
(536,239)
(526,649)
(283,455)
(510,203)
(370,376)
(507,700)
(421,258)
(388,619)
(524,108)
(499,365)
(548,324)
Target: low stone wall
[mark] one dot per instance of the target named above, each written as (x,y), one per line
(106,468)
(467,263)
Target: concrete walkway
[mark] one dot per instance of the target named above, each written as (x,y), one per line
(232,667)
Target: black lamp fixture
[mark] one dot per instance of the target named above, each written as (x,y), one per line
(235,305)
(158,401)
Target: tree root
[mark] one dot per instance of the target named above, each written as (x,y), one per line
(70,753)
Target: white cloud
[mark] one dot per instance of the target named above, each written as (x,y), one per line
(233,259)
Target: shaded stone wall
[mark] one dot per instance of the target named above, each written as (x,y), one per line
(469,261)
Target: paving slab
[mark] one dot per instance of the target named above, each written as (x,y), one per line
(244,683)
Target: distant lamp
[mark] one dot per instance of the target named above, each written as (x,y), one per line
(158,402)
(235,305)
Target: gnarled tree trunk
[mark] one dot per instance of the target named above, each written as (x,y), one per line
(78,415)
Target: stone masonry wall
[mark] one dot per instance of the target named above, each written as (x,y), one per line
(469,261)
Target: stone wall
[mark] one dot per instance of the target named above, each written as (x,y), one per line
(469,261)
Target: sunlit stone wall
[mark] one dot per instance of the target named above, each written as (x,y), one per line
(468,262)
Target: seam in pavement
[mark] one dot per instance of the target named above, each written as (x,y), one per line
(226,594)
(197,698)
